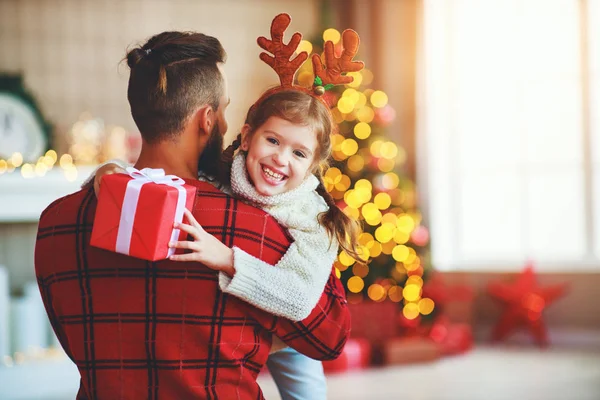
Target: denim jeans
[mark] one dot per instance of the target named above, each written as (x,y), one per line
(297,376)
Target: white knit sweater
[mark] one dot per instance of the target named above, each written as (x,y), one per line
(293,287)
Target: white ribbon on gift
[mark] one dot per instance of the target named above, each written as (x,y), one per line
(132,195)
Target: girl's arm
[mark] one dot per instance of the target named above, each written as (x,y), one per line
(290,289)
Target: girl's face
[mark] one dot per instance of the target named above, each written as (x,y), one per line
(280,155)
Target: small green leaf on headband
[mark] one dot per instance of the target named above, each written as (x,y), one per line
(318,81)
(329,86)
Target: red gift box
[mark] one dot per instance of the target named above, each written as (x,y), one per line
(356,355)
(410,350)
(136,212)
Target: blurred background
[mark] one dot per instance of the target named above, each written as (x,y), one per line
(469,147)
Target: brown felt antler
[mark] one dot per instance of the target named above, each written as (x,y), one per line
(331,72)
(280,61)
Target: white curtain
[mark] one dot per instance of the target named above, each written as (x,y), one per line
(509,133)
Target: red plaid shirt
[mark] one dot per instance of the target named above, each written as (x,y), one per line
(164,330)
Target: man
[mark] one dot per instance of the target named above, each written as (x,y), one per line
(164,330)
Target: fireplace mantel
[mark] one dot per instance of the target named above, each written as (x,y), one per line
(23,199)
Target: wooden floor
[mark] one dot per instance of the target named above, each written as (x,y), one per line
(514,373)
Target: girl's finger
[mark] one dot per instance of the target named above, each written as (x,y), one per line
(189,229)
(183,257)
(190,217)
(184,244)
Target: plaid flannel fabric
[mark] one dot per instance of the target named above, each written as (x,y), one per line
(163,330)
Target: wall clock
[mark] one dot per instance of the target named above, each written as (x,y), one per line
(23,128)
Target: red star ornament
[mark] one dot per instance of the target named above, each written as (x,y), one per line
(524,303)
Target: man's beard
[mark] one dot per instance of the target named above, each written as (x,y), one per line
(209,162)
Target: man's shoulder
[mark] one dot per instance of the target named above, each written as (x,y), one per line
(66,208)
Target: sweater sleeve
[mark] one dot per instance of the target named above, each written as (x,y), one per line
(292,288)
(90,179)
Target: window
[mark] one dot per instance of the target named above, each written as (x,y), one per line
(510,133)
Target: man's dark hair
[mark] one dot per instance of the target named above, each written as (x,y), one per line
(172,75)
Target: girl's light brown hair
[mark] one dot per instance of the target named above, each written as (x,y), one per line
(301,108)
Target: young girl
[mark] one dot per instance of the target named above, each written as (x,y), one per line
(284,144)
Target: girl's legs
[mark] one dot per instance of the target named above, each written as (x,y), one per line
(297,376)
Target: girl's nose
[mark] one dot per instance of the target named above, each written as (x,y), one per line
(280,158)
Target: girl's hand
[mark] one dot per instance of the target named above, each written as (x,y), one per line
(107,169)
(205,248)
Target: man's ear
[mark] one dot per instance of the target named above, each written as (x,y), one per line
(206,119)
(245,137)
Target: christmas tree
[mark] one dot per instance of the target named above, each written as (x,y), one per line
(366,180)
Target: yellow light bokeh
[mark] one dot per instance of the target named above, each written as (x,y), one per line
(343,184)
(41,169)
(379,99)
(366,239)
(369,211)
(400,253)
(345,259)
(390,218)
(27,171)
(388,248)
(352,212)
(376,148)
(411,292)
(405,223)
(367,76)
(384,233)
(401,237)
(365,114)
(385,165)
(363,183)
(338,273)
(414,280)
(363,253)
(336,141)
(16,159)
(376,292)
(52,155)
(70,173)
(426,306)
(395,294)
(360,269)
(388,150)
(410,311)
(355,284)
(332,34)
(382,201)
(361,102)
(304,45)
(349,147)
(357,79)
(353,95)
(305,78)
(356,163)
(338,117)
(66,160)
(375,249)
(390,181)
(362,130)
(3,166)
(338,265)
(345,105)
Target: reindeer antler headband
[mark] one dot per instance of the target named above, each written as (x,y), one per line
(326,75)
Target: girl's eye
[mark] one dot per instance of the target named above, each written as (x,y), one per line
(299,153)
(272,140)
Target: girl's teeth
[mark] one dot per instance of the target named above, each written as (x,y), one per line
(272,174)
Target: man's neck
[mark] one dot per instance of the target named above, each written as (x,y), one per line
(170,156)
